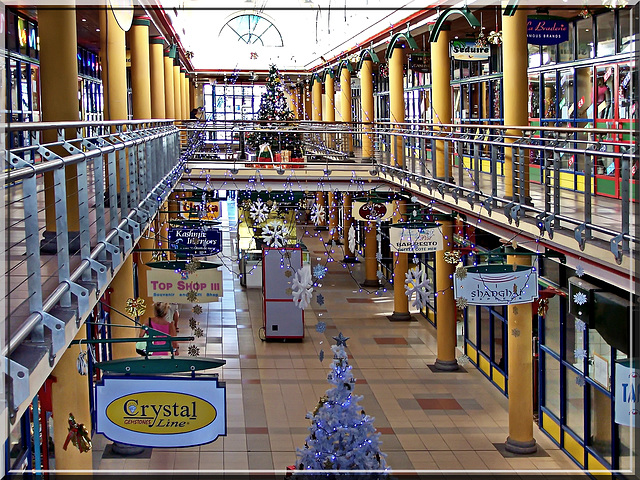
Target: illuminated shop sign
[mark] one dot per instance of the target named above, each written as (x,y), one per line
(547,30)
(161,411)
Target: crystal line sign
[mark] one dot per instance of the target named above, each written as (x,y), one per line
(497,285)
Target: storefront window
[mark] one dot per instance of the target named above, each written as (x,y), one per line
(627,93)
(551,368)
(485,333)
(585,38)
(471,325)
(574,401)
(605,37)
(625,33)
(534,95)
(550,99)
(499,345)
(549,54)
(497,98)
(565,49)
(599,359)
(603,92)
(566,98)
(600,438)
(574,341)
(534,55)
(552,325)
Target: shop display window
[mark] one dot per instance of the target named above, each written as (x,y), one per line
(566,49)
(471,327)
(534,95)
(600,427)
(552,324)
(551,372)
(574,401)
(626,33)
(605,39)
(584,30)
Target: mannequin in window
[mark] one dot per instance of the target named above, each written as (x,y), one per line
(603,98)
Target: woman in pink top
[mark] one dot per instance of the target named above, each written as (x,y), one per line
(160,323)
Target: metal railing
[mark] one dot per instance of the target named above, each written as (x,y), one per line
(78,196)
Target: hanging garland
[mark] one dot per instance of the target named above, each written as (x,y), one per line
(78,436)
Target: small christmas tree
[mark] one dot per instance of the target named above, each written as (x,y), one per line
(342,435)
(273,107)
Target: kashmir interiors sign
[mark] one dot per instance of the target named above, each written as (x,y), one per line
(371,211)
(497,285)
(166,283)
(415,238)
(198,242)
(627,406)
(469,50)
(545,30)
(161,411)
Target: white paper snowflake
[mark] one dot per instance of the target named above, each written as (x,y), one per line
(317,214)
(352,238)
(416,282)
(580,325)
(302,287)
(274,206)
(319,271)
(273,233)
(259,211)
(580,354)
(580,298)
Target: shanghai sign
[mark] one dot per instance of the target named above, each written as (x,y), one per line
(547,30)
(161,411)
(407,239)
(497,285)
(195,241)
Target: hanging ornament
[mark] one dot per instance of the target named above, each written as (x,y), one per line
(580,298)
(378,256)
(321,355)
(461,272)
(192,296)
(78,436)
(253,56)
(452,257)
(580,325)
(352,238)
(417,283)
(320,299)
(462,302)
(321,327)
(197,309)
(579,270)
(135,307)
(380,275)
(319,271)
(463,359)
(317,214)
(543,306)
(193,351)
(495,38)
(193,266)
(481,41)
(273,233)
(580,354)
(82,364)
(258,211)
(198,332)
(302,287)
(192,323)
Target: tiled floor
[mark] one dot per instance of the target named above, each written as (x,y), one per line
(428,421)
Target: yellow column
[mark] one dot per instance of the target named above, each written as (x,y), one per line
(59,84)
(169,95)
(441,97)
(400,268)
(192,94)
(177,91)
(345,104)
(146,242)
(320,201)
(347,221)
(329,93)
(396,101)
(316,99)
(70,394)
(117,71)
(104,63)
(520,369)
(445,304)
(370,261)
(140,69)
(516,91)
(307,102)
(121,290)
(157,77)
(366,99)
(184,94)
(333,218)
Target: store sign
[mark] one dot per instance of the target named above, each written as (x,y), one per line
(371,211)
(202,210)
(627,406)
(198,242)
(170,286)
(547,30)
(420,62)
(161,411)
(468,50)
(415,240)
(497,285)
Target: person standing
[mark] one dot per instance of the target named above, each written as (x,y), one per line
(162,323)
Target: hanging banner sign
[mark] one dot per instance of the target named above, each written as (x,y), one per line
(203,210)
(161,411)
(627,393)
(547,30)
(420,62)
(415,239)
(170,286)
(371,211)
(197,242)
(497,285)
(468,50)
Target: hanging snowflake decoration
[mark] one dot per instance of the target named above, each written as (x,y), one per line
(580,298)
(317,214)
(320,299)
(135,307)
(378,256)
(580,270)
(416,282)
(462,302)
(319,271)
(464,359)
(193,351)
(273,233)
(321,327)
(197,309)
(380,275)
(192,323)
(321,355)
(192,266)
(452,257)
(198,332)
(378,237)
(352,238)
(580,325)
(580,381)
(192,296)
(461,272)
(302,287)
(580,354)
(258,211)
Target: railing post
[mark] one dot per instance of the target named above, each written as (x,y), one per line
(587,193)
(624,195)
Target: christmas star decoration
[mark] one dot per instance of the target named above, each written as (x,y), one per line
(193,351)
(192,296)
(579,270)
(192,323)
(198,332)
(288,273)
(515,332)
(464,359)
(461,272)
(302,287)
(462,302)
(580,325)
(380,275)
(452,257)
(321,327)
(320,299)
(580,298)
(197,309)
(580,381)
(319,271)
(341,340)
(417,283)
(135,307)
(192,266)
(580,354)
(321,355)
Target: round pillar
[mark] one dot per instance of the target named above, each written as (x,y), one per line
(177,91)
(445,304)
(117,71)
(184,94)
(329,115)
(345,104)
(366,99)
(441,98)
(140,69)
(169,95)
(122,289)
(396,102)
(316,99)
(156,64)
(400,268)
(370,261)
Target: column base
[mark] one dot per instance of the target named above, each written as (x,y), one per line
(370,283)
(400,317)
(446,365)
(521,448)
(126,450)
(348,259)
(49,244)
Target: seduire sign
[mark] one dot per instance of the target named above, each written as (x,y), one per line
(161,411)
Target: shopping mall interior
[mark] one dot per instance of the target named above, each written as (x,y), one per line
(287,237)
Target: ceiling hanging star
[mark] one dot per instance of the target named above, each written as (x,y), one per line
(321,355)
(320,299)
(321,327)
(197,309)
(193,351)
(580,298)
(192,296)
(461,272)
(580,270)
(341,340)
(417,283)
(198,332)
(192,323)
(461,302)
(319,271)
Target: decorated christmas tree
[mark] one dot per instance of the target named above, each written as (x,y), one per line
(273,107)
(342,437)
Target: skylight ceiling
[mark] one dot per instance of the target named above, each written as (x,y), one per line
(293,34)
